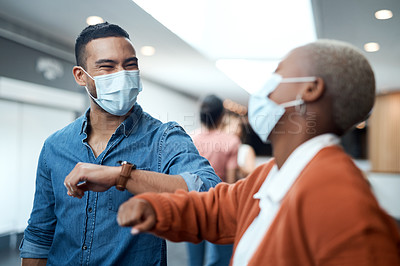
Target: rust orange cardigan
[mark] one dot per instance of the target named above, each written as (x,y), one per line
(328,217)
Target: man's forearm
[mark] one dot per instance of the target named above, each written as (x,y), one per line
(33,262)
(100,178)
(146,181)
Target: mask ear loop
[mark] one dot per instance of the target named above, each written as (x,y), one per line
(301,108)
(86,72)
(91,96)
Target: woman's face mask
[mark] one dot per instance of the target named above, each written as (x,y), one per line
(116,92)
(264,113)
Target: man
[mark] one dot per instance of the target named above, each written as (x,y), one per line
(221,150)
(309,205)
(64,230)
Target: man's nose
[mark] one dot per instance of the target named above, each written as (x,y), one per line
(119,68)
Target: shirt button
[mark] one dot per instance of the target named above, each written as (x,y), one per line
(84,247)
(90,209)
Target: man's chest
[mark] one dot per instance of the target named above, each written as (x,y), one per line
(97,146)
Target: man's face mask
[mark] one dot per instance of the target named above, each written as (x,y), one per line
(116,92)
(264,113)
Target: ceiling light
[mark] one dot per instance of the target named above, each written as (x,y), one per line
(93,20)
(383,14)
(147,50)
(371,47)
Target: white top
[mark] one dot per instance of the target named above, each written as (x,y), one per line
(242,154)
(273,190)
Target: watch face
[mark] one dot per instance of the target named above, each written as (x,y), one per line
(125,162)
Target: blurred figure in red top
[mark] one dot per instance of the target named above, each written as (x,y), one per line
(221,150)
(216,145)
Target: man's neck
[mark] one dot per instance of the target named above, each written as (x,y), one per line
(103,124)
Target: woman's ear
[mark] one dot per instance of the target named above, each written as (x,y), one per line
(79,75)
(314,90)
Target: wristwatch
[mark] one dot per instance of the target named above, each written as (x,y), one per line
(124,175)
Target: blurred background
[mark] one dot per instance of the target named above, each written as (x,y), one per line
(186,49)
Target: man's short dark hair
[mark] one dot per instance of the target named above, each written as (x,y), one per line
(101,30)
(211,111)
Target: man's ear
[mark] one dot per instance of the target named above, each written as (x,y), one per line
(314,90)
(79,75)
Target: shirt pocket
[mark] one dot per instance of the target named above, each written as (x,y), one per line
(116,197)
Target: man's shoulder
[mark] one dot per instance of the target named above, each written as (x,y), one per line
(149,123)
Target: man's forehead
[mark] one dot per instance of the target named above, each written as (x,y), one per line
(108,44)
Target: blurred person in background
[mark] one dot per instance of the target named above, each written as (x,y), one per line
(221,150)
(308,205)
(103,158)
(235,124)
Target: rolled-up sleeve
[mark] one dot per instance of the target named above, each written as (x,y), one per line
(193,182)
(32,250)
(178,156)
(38,236)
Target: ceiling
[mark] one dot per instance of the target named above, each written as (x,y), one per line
(353,21)
(179,66)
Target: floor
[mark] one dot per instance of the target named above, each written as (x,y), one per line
(177,255)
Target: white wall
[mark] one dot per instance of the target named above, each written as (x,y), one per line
(386,188)
(24,128)
(168,105)
(29,113)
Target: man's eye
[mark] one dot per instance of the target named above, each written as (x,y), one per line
(106,66)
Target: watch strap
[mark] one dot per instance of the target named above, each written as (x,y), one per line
(124,175)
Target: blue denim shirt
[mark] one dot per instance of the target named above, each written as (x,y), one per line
(72,231)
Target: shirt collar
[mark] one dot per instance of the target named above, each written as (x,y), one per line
(85,121)
(278,182)
(126,127)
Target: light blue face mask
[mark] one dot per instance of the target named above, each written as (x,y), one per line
(264,113)
(116,92)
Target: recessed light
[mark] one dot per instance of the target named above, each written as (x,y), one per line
(93,20)
(383,14)
(148,50)
(371,47)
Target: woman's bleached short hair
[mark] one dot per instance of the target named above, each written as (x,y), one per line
(348,78)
